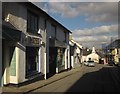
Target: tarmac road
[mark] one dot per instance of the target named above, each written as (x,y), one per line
(90,79)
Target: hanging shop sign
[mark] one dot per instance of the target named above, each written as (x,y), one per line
(35,41)
(32,41)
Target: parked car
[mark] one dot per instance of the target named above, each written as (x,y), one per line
(91,63)
(111,63)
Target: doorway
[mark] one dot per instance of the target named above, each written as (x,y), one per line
(52,59)
(32,60)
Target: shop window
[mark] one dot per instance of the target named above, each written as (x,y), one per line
(13,61)
(32,22)
(61,56)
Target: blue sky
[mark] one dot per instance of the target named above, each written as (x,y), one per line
(92,23)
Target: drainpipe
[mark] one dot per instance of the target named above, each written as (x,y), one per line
(45,68)
(68,57)
(66,62)
(1,67)
(39,60)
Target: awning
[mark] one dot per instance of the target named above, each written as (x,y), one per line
(56,43)
(10,33)
(60,44)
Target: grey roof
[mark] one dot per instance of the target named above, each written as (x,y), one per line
(38,9)
(100,54)
(85,52)
(114,44)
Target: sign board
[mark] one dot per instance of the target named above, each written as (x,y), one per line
(30,40)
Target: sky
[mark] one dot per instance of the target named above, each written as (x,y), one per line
(91,23)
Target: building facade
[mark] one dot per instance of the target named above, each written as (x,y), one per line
(76,52)
(89,55)
(34,44)
(113,52)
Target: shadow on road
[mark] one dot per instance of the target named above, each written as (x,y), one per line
(97,81)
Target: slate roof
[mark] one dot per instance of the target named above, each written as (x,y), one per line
(114,44)
(85,52)
(100,54)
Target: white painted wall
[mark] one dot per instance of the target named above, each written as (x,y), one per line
(84,58)
(21,66)
(95,57)
(78,50)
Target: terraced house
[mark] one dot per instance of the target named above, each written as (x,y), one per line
(113,52)
(33,43)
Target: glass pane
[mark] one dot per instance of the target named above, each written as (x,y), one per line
(13,64)
(32,23)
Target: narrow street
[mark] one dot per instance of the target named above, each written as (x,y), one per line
(90,79)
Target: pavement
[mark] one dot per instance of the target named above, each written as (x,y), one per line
(41,83)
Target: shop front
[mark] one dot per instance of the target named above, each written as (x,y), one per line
(57,51)
(10,53)
(33,56)
(60,59)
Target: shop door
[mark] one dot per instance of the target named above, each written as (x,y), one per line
(52,59)
(31,60)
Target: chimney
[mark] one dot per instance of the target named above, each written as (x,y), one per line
(93,50)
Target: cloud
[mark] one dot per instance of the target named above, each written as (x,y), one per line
(69,0)
(96,36)
(83,0)
(93,11)
(102,30)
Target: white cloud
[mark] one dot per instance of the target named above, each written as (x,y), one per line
(94,12)
(102,30)
(96,36)
(79,0)
(106,12)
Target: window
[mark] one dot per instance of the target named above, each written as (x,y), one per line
(45,24)
(65,36)
(32,22)
(54,30)
(3,11)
